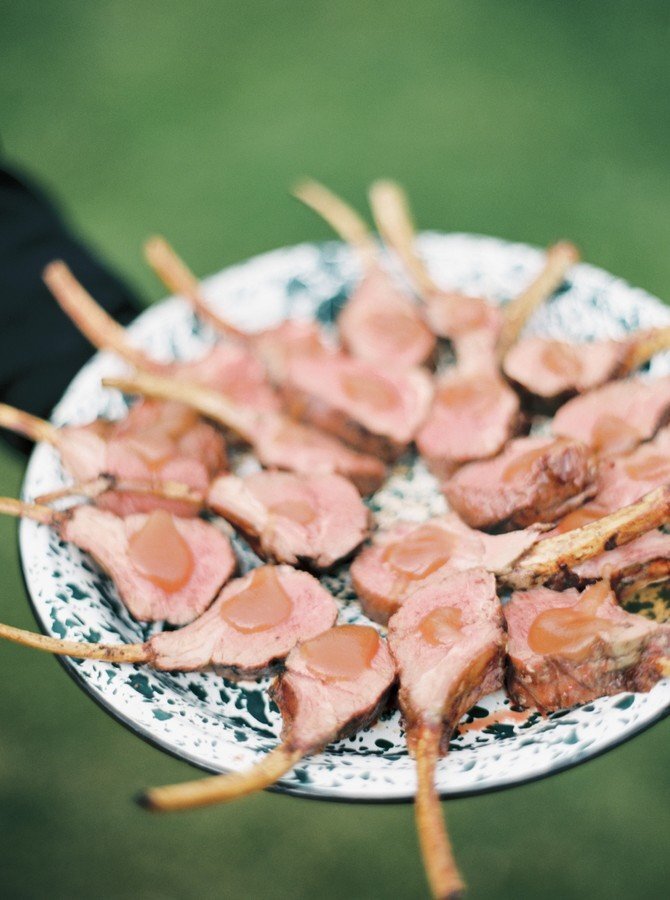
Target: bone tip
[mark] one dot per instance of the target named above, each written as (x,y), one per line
(565,252)
(53,270)
(304,187)
(154,244)
(384,187)
(145,801)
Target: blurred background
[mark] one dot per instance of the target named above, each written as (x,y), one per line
(523,120)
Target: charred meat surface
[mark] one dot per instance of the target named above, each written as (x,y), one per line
(252,625)
(616,418)
(312,520)
(643,561)
(403,559)
(567,648)
(535,479)
(371,409)
(623,480)
(164,567)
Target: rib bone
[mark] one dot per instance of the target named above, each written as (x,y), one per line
(90,318)
(178,278)
(553,555)
(344,220)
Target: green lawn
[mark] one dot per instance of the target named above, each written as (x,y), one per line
(528,121)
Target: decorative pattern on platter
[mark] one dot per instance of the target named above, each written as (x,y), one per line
(222,726)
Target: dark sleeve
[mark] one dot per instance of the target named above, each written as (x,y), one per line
(40,350)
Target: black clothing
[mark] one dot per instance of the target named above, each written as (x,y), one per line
(40,350)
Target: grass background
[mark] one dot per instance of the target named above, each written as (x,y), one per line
(525,120)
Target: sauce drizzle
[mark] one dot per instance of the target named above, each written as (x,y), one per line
(160,554)
(260,606)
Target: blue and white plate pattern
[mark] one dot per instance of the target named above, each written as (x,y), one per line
(221,726)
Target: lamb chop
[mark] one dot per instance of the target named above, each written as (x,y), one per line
(644,561)
(534,479)
(549,372)
(371,409)
(450,314)
(252,625)
(475,412)
(567,648)
(156,441)
(379,323)
(624,479)
(310,521)
(404,558)
(272,346)
(278,441)
(229,367)
(448,642)
(617,417)
(333,685)
(409,556)
(164,567)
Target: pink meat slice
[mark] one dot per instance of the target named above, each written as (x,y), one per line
(312,520)
(372,409)
(441,680)
(280,443)
(234,370)
(472,417)
(534,479)
(381,324)
(623,480)
(617,417)
(644,560)
(211,642)
(552,371)
(454,316)
(291,338)
(624,655)
(383,588)
(105,536)
(158,441)
(318,710)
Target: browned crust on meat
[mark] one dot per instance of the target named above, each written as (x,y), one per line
(561,684)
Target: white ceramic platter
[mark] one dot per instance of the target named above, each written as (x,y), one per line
(220,726)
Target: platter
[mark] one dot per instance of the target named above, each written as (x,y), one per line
(221,726)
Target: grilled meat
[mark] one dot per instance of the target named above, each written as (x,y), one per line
(567,648)
(408,556)
(535,479)
(617,417)
(310,520)
(279,442)
(373,410)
